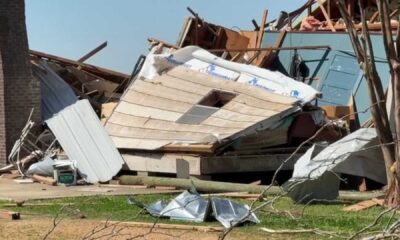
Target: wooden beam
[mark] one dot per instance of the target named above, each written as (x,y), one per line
(220,187)
(394,13)
(374,17)
(270,55)
(192,148)
(202,22)
(371,26)
(93,52)
(262,28)
(313,47)
(326,15)
(108,74)
(46,180)
(168,45)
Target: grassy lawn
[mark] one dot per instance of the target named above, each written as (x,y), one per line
(327,217)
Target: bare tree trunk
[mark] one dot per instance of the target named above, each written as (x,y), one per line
(365,56)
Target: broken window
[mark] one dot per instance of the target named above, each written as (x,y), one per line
(208,105)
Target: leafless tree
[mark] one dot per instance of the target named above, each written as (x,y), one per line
(364,52)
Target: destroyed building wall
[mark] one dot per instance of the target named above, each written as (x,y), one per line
(19,91)
(335,72)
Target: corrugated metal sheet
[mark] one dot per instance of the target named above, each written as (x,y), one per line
(77,128)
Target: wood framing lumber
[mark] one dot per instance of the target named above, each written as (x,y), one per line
(157,41)
(262,28)
(193,148)
(108,74)
(221,187)
(93,52)
(327,18)
(315,47)
(363,205)
(166,226)
(269,56)
(45,180)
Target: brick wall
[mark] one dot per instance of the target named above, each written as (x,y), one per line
(19,91)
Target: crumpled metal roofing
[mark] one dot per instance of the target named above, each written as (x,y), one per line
(191,206)
(77,128)
(229,213)
(187,206)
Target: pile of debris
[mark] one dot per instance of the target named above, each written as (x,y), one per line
(191,206)
(219,101)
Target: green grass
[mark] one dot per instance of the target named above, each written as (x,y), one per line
(327,217)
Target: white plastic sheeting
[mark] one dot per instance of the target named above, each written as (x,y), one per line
(198,59)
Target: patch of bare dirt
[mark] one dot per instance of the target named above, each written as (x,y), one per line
(36,228)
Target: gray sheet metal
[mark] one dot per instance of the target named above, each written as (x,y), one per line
(356,154)
(153,209)
(156,208)
(230,213)
(187,206)
(77,129)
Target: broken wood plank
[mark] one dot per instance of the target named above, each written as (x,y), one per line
(9,215)
(157,41)
(108,74)
(363,205)
(262,28)
(11,175)
(45,180)
(93,52)
(193,148)
(374,17)
(313,47)
(123,186)
(328,20)
(269,56)
(167,226)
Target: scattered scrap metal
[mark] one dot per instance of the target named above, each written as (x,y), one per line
(218,101)
(190,206)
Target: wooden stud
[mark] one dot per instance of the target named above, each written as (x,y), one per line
(45,180)
(327,18)
(93,52)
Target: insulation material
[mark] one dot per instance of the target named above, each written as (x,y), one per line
(200,60)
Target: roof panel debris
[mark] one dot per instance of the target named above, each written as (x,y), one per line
(219,101)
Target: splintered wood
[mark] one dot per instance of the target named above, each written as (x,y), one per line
(363,205)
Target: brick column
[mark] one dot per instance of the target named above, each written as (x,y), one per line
(19,91)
